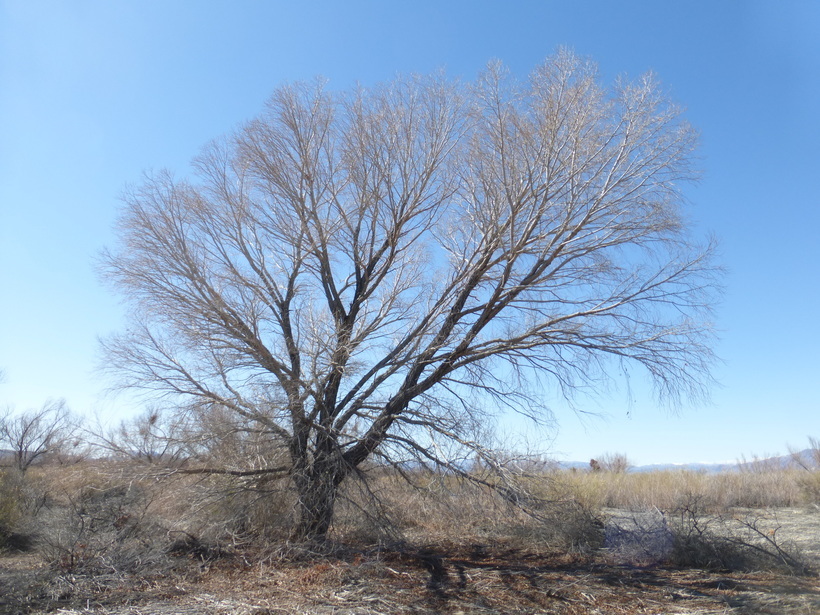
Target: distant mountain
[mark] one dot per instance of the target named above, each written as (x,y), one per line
(689,467)
(659,467)
(807,458)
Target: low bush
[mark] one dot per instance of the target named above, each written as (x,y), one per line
(11,495)
(222,511)
(533,512)
(21,498)
(809,485)
(102,528)
(746,541)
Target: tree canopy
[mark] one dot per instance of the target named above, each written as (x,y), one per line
(361,274)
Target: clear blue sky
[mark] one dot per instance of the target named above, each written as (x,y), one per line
(92,93)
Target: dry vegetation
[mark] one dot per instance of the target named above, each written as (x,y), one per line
(673,489)
(110,537)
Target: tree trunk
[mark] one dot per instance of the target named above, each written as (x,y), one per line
(316,505)
(317,490)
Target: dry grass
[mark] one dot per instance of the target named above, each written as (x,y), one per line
(669,490)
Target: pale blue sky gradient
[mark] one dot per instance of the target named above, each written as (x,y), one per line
(92,93)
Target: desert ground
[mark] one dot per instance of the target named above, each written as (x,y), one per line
(491,578)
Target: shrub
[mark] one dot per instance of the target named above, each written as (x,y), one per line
(220,510)
(102,529)
(532,512)
(20,502)
(642,537)
(10,505)
(809,484)
(738,541)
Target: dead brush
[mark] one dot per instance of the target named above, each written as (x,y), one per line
(739,541)
(102,529)
(532,512)
(22,498)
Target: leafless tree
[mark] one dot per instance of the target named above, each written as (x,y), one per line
(371,274)
(616,463)
(150,437)
(32,435)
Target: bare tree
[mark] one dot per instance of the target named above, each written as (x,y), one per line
(35,434)
(616,463)
(371,274)
(150,437)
